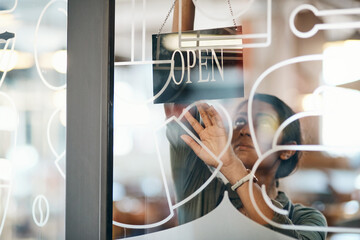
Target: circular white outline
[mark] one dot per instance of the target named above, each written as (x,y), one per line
(262,157)
(15,142)
(305,58)
(12,55)
(153,98)
(10,10)
(323,26)
(51,146)
(217,158)
(47,84)
(291,119)
(51,119)
(271,69)
(293,14)
(295,227)
(38,199)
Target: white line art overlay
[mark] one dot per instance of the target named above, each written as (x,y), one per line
(262,36)
(58,156)
(10,10)
(8,186)
(291,119)
(270,204)
(216,171)
(296,227)
(316,57)
(277,148)
(47,84)
(38,215)
(198,44)
(143,40)
(133,61)
(13,40)
(166,84)
(323,26)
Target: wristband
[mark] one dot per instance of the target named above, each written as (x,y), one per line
(244,180)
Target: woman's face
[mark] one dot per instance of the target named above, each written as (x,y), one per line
(266,122)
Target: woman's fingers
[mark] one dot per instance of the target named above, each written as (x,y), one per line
(215,117)
(192,144)
(194,123)
(209,116)
(203,110)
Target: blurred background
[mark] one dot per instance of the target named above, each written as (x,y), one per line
(326,180)
(32,119)
(33,99)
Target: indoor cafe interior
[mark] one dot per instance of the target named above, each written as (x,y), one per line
(166,54)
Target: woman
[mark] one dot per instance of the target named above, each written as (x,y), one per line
(190,164)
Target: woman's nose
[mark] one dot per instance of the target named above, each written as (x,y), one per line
(241,131)
(245,131)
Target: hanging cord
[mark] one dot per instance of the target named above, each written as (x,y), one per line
(231,12)
(166,18)
(172,8)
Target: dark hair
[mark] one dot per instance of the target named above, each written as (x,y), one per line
(291,133)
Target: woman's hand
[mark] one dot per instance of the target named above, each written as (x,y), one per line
(213,136)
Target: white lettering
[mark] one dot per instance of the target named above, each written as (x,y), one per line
(200,68)
(189,65)
(182,67)
(220,68)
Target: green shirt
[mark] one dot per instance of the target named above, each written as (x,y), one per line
(189,173)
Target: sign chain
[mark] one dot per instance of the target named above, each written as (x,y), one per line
(231,12)
(166,18)
(172,7)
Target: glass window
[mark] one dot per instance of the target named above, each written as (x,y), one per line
(282,77)
(32,118)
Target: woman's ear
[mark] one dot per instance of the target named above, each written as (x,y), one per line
(285,155)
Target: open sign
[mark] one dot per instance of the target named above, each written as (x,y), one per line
(205,67)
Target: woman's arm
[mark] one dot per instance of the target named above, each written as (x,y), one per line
(301,216)
(188,16)
(187,23)
(213,135)
(188,171)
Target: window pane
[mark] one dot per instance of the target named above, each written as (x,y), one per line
(33,118)
(283,78)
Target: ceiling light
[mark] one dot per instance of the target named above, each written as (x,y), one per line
(8,60)
(59,61)
(341,62)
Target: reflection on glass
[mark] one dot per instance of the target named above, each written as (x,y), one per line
(8,57)
(340,60)
(28,166)
(5,189)
(294,68)
(338,109)
(8,6)
(48,50)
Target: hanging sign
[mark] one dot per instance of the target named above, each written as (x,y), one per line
(207,64)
